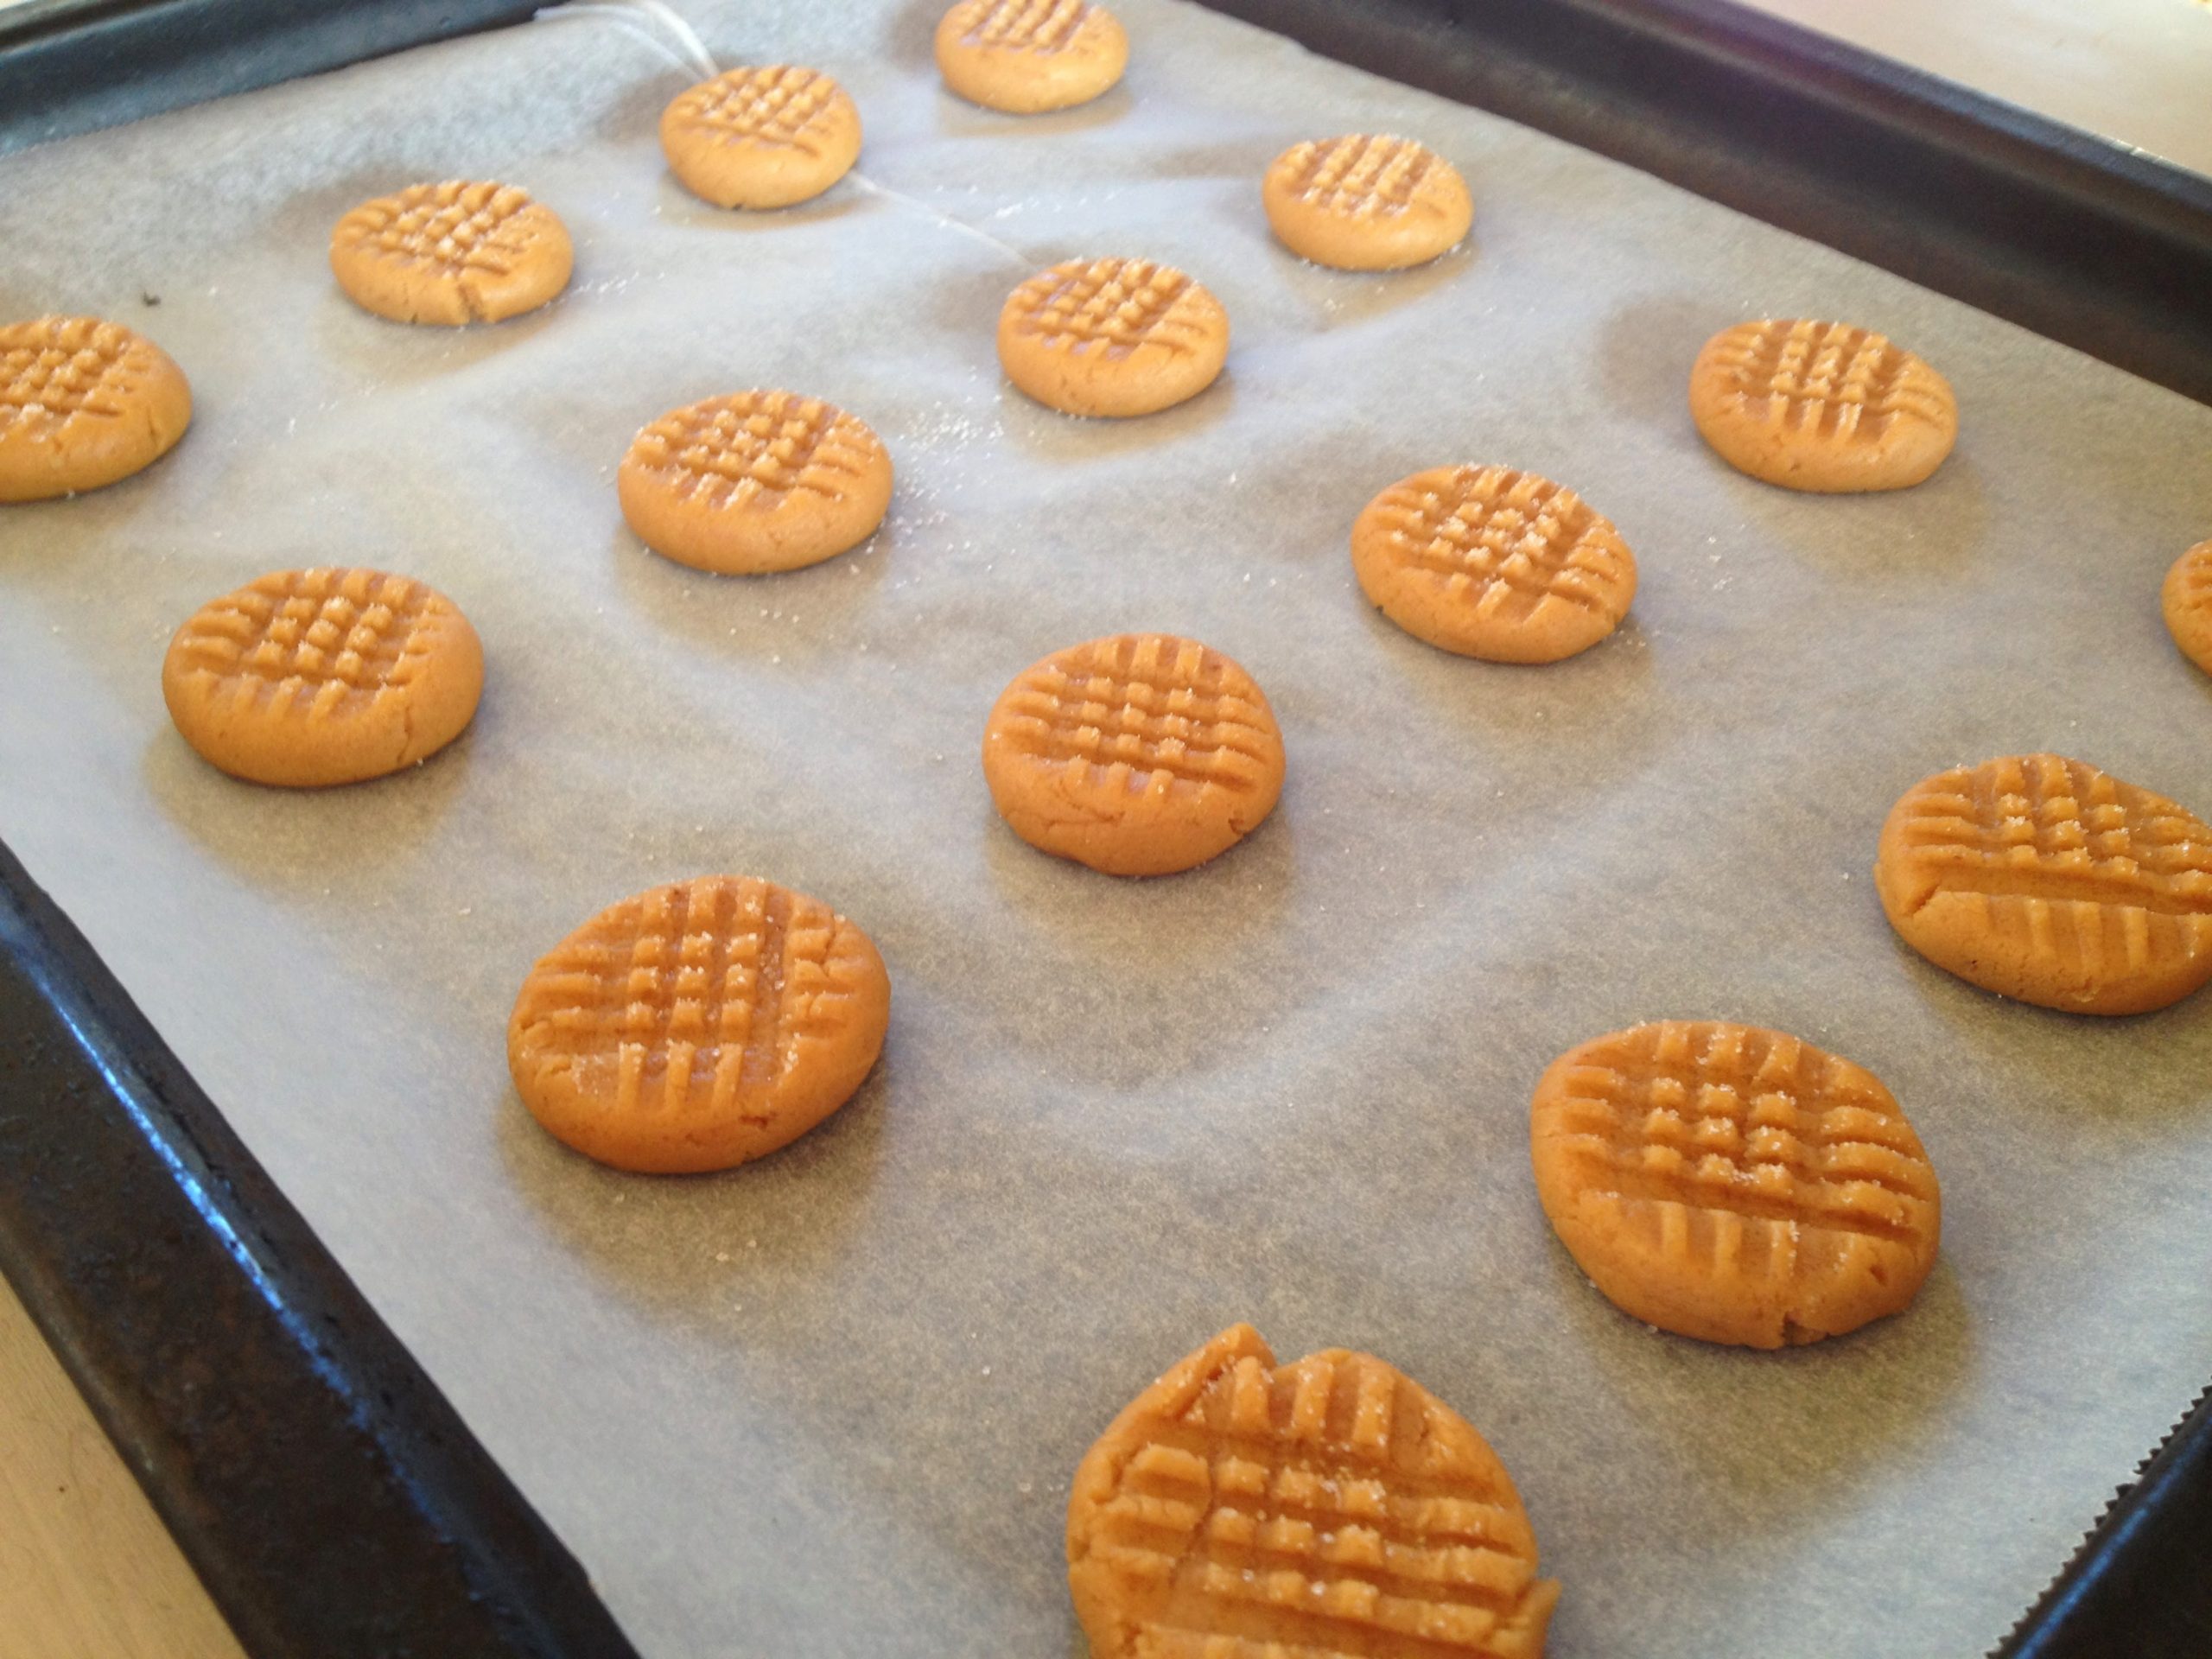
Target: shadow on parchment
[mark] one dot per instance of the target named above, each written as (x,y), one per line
(794,616)
(1580,726)
(1129,964)
(1783,1434)
(2101,1063)
(1049,436)
(1644,353)
(1346,299)
(686,1246)
(331,840)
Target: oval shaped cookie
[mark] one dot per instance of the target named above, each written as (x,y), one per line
(1491,562)
(1821,407)
(755,482)
(2044,878)
(695,1025)
(1027,56)
(83,404)
(2186,599)
(451,254)
(308,678)
(1112,337)
(1140,754)
(1324,1509)
(1733,1184)
(1366,202)
(761,137)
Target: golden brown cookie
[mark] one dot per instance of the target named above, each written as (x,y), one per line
(761,137)
(308,678)
(1329,1510)
(1494,563)
(1821,406)
(1140,754)
(1366,202)
(1112,337)
(2187,601)
(1028,56)
(2044,879)
(698,1025)
(760,481)
(83,404)
(1733,1184)
(451,253)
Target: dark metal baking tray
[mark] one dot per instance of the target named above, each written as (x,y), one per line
(329,1495)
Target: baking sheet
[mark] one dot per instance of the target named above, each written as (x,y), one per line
(828,1404)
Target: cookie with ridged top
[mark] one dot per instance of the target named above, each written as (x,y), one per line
(754,482)
(1116,337)
(1140,754)
(2186,599)
(1366,202)
(311,678)
(451,253)
(2044,879)
(83,404)
(695,1025)
(1492,562)
(766,138)
(1821,406)
(1732,1182)
(1025,57)
(1332,1509)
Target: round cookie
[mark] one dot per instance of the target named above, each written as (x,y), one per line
(1326,1509)
(1140,754)
(761,137)
(1733,1184)
(696,1026)
(2186,600)
(308,678)
(1491,562)
(451,254)
(756,482)
(1028,56)
(1821,407)
(1366,202)
(83,404)
(2044,878)
(1116,337)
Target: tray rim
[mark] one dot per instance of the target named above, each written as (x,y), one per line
(464,1556)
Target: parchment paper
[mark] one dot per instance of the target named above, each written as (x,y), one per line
(828,1404)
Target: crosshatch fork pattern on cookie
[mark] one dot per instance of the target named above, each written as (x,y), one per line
(1520,539)
(1164,710)
(694,992)
(1750,1130)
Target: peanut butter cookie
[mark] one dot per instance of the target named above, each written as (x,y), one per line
(755,482)
(698,1025)
(1733,1184)
(1116,337)
(761,137)
(308,678)
(2044,878)
(1140,754)
(1366,202)
(83,404)
(451,254)
(1329,1510)
(1491,562)
(1821,407)
(1028,56)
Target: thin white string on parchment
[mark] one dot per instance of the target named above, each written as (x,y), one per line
(663,28)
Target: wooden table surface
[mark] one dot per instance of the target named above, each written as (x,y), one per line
(86,1571)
